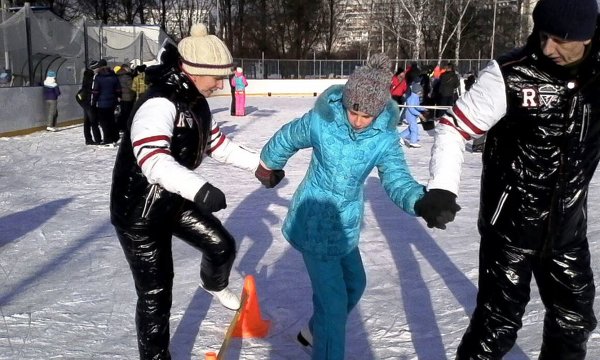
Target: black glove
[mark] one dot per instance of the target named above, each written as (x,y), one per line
(438,207)
(210,199)
(269,178)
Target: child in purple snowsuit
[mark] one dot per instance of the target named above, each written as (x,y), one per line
(51,94)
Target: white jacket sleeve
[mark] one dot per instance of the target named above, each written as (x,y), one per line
(224,150)
(473,114)
(151,132)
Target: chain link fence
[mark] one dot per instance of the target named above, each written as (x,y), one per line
(336,69)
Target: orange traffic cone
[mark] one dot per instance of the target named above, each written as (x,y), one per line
(211,355)
(251,324)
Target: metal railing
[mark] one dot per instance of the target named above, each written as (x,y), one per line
(334,69)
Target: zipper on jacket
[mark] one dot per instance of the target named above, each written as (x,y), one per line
(585,122)
(555,206)
(500,205)
(149,200)
(551,233)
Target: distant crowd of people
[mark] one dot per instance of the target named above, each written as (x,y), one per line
(425,93)
(107,96)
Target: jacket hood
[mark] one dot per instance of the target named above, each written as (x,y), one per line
(50,82)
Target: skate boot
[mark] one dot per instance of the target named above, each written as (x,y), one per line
(305,339)
(226,297)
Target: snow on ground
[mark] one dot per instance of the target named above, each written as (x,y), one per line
(66,291)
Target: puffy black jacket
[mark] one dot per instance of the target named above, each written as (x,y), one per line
(85,92)
(449,81)
(131,194)
(106,89)
(539,159)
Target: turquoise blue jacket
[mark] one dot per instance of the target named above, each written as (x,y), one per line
(326,211)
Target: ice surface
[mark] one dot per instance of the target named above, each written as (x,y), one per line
(66,291)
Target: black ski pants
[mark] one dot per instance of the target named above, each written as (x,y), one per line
(106,119)
(566,287)
(91,131)
(148,253)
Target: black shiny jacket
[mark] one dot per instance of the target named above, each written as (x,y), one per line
(134,203)
(539,159)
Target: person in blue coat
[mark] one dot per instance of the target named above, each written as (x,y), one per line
(351,130)
(414,114)
(106,95)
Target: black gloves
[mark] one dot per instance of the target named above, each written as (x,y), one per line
(427,120)
(210,199)
(269,178)
(438,207)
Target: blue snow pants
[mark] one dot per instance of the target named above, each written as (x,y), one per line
(337,287)
(411,133)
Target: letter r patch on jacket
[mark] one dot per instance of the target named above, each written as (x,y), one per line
(530,97)
(545,95)
(185,120)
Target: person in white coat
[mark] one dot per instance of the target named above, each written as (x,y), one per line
(156,192)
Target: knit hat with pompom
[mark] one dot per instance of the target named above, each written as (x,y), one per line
(368,87)
(204,54)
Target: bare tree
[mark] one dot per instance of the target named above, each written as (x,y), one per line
(414,29)
(394,22)
(456,29)
(415,10)
(187,13)
(334,10)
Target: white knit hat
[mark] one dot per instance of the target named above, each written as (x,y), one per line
(204,54)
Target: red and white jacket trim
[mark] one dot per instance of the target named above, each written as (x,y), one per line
(151,132)
(473,114)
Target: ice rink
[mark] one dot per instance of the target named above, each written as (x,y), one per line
(66,291)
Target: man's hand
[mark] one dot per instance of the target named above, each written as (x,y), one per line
(269,178)
(210,199)
(438,207)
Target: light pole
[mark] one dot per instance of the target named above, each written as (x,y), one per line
(493,30)
(4,10)
(218,19)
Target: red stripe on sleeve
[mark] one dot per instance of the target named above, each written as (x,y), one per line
(157,151)
(458,112)
(213,148)
(151,139)
(215,130)
(447,122)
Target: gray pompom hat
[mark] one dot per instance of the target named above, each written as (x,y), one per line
(368,87)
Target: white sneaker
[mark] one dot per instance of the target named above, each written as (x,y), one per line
(304,337)
(414,145)
(51,128)
(227,298)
